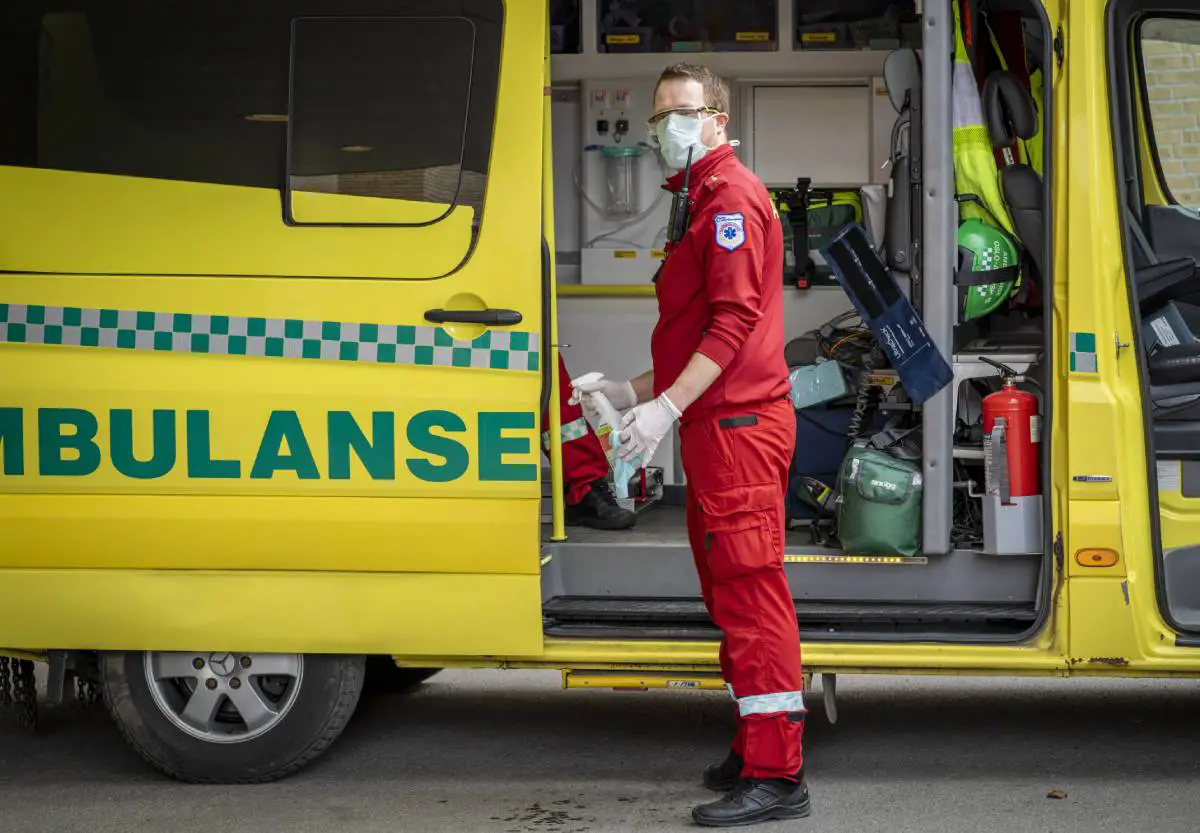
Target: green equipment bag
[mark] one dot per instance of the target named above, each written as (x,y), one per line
(829,212)
(816,216)
(879,503)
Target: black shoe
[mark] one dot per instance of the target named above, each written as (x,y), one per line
(724,776)
(599,510)
(756,800)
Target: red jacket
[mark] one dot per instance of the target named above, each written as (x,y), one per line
(720,290)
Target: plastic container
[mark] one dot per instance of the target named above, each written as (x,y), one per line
(606,422)
(621,176)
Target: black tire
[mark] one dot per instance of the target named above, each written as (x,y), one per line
(328,694)
(385,677)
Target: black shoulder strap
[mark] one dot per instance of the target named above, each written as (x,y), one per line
(798,215)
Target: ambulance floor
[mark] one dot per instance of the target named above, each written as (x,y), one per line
(641,584)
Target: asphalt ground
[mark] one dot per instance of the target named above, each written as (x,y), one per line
(510,752)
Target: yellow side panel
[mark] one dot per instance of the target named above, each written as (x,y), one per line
(1103,632)
(220,418)
(190,414)
(270,612)
(1095,524)
(1114,623)
(267,533)
(126,225)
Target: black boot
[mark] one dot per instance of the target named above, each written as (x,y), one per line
(599,510)
(724,776)
(756,800)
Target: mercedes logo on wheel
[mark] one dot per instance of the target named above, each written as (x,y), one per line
(222,664)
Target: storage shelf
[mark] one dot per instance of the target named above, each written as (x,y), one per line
(815,64)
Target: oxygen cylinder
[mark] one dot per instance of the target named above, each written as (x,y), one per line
(1012,503)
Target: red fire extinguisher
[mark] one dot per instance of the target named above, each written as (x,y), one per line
(1012,428)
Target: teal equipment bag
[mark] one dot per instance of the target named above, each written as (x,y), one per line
(879,503)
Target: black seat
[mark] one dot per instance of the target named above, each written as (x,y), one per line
(1174,371)
(1175,365)
(1158,282)
(1011,115)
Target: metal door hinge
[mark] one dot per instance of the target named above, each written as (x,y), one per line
(1059,46)
(1121,345)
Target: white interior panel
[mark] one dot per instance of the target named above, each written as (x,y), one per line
(629,100)
(565,126)
(820,132)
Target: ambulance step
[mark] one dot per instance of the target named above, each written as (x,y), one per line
(687,618)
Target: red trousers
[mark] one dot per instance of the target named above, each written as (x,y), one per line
(736,466)
(583,457)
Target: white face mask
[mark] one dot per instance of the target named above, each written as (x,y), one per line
(678,132)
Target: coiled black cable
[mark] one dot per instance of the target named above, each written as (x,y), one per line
(866,395)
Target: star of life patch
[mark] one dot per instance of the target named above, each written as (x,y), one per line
(730,230)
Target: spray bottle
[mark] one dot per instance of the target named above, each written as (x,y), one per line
(606,422)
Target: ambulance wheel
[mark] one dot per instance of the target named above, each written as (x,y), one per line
(385,677)
(221,718)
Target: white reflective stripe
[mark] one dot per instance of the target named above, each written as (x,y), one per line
(732,696)
(574,430)
(784,701)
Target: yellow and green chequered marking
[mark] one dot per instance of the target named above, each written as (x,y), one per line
(284,338)
(1083,353)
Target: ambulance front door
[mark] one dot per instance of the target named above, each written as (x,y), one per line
(1156,46)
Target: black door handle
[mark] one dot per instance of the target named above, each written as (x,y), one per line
(490,317)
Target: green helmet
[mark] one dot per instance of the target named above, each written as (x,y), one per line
(989,264)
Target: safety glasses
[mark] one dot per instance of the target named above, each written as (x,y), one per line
(691,112)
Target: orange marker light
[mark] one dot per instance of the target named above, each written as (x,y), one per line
(1096,558)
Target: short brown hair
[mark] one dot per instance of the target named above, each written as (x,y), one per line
(716,91)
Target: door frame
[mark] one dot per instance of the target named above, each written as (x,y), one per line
(1119,18)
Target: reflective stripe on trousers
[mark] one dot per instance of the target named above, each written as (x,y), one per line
(783,701)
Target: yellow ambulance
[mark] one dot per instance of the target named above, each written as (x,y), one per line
(278,322)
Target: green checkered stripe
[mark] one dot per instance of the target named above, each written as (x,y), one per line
(1083,353)
(285,338)
(576,429)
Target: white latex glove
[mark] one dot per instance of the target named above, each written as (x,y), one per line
(620,394)
(644,427)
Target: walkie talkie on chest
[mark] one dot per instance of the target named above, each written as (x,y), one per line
(681,211)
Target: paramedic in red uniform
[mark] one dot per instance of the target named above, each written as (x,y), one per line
(589,498)
(719,371)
